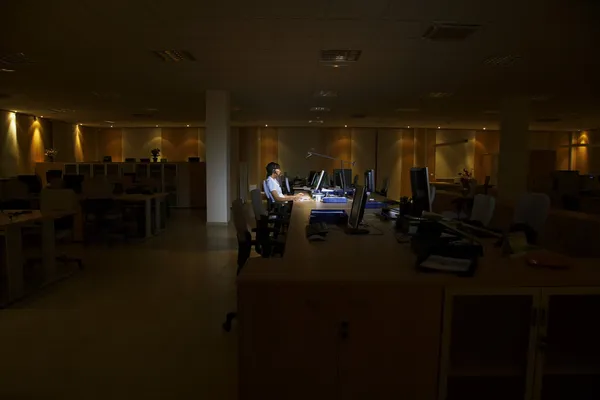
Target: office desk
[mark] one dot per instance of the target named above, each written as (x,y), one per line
(11,267)
(352,318)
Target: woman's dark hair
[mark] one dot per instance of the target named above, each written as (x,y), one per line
(271,167)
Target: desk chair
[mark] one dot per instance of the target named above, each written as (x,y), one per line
(245,244)
(16,195)
(531,213)
(278,217)
(59,200)
(54,178)
(483,209)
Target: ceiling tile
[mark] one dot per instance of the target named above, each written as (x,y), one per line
(356,9)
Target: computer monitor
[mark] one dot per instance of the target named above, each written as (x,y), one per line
(311,177)
(421,193)
(357,212)
(343,177)
(144,160)
(319,181)
(33,182)
(193,159)
(73,182)
(107,159)
(129,159)
(287,185)
(370,181)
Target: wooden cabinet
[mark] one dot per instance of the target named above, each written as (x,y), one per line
(568,348)
(334,341)
(521,343)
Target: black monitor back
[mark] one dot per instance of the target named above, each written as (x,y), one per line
(33,182)
(370,181)
(73,182)
(419,184)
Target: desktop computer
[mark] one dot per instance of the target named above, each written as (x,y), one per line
(370,181)
(421,193)
(357,212)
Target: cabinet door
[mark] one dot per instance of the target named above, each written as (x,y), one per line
(488,345)
(568,363)
(288,342)
(389,342)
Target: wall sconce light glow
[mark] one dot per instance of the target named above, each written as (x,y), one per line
(41,116)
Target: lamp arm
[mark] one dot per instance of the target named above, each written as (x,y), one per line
(310,153)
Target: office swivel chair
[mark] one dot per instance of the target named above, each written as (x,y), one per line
(245,244)
(530,215)
(279,218)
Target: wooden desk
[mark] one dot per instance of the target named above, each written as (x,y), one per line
(352,318)
(11,231)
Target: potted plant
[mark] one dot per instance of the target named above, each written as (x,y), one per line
(50,154)
(466,177)
(155,154)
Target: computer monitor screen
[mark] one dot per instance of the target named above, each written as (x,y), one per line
(287,185)
(311,177)
(343,177)
(130,160)
(319,180)
(421,194)
(370,181)
(358,207)
(107,159)
(73,182)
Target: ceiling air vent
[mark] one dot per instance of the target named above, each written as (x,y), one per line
(174,55)
(502,61)
(319,109)
(15,59)
(449,32)
(60,110)
(551,119)
(340,56)
(315,121)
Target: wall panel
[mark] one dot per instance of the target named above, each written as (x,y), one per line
(177,144)
(137,142)
(450,159)
(363,151)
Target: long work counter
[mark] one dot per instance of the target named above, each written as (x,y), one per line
(352,318)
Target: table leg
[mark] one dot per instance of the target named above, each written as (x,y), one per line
(14,262)
(148,217)
(157,215)
(48,250)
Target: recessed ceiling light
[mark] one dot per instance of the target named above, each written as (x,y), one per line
(340,56)
(266,125)
(484,128)
(111,126)
(157,126)
(325,93)
(345,126)
(408,127)
(188,125)
(439,127)
(320,109)
(6,70)
(41,116)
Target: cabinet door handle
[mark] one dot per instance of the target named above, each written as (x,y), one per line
(344,330)
(534,316)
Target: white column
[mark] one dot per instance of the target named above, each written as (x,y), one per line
(513,160)
(217,157)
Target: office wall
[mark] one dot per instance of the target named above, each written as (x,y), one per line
(452,157)
(363,150)
(178,144)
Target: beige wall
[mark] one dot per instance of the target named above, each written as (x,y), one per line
(364,142)
(452,158)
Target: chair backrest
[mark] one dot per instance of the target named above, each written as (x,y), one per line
(483,209)
(58,200)
(532,210)
(239,219)
(267,192)
(53,174)
(432,190)
(257,204)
